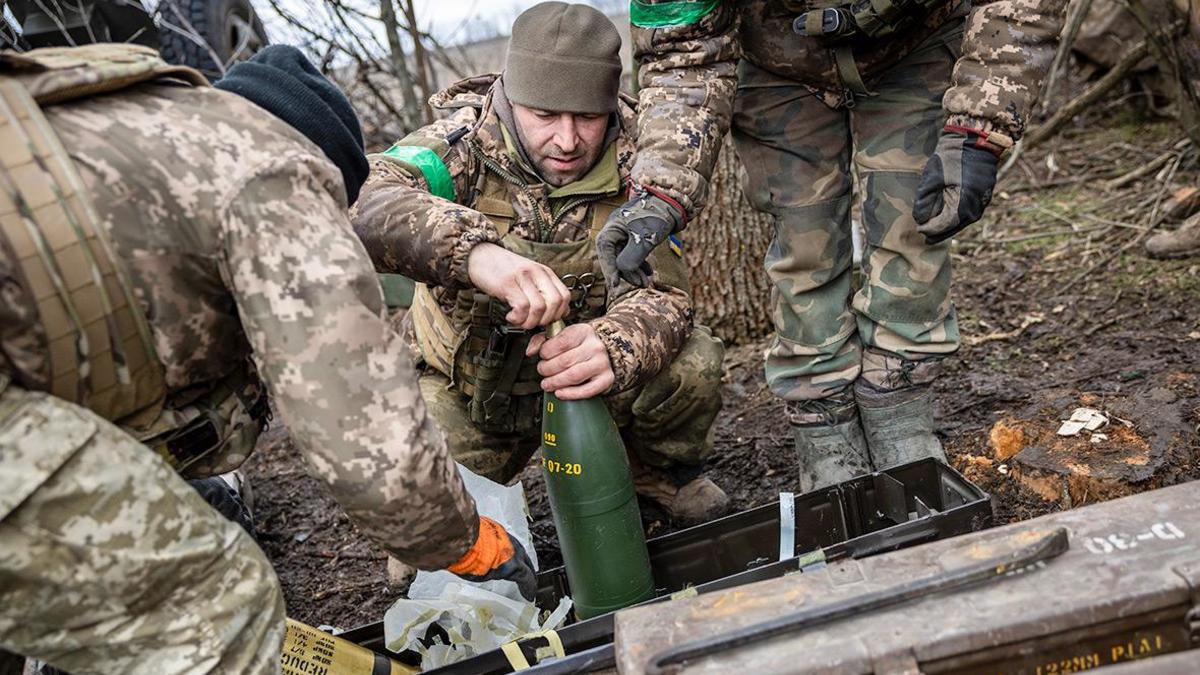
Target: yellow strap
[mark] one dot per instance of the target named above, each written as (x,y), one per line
(516,658)
(555,642)
(689,592)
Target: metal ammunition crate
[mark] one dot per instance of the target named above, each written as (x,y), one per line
(1121,584)
(909,504)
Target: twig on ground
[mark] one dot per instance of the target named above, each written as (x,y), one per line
(1148,167)
(1155,219)
(975,340)
(1031,237)
(1095,328)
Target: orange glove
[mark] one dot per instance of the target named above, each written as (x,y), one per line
(497,555)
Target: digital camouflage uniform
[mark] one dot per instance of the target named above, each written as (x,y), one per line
(230,228)
(462,181)
(804,112)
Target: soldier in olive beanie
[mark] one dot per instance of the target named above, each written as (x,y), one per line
(563,58)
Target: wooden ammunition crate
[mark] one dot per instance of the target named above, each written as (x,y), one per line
(1122,591)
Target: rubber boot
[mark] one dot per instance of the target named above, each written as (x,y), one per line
(898,423)
(687,497)
(1181,243)
(830,445)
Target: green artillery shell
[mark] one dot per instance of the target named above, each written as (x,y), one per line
(594,505)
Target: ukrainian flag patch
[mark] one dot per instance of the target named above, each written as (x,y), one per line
(676,245)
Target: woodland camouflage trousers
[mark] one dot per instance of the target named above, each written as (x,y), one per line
(114,564)
(798,152)
(666,422)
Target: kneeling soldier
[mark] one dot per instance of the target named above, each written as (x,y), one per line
(494,211)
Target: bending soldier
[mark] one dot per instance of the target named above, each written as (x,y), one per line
(494,211)
(162,244)
(906,106)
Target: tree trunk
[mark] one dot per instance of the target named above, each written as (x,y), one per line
(412,103)
(725,248)
(422,59)
(1188,49)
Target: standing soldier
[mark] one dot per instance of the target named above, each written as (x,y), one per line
(162,243)
(494,210)
(904,95)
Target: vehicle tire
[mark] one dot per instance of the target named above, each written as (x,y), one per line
(231,28)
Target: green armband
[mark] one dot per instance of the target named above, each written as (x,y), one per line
(660,14)
(431,166)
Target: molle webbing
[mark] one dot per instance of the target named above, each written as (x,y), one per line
(456,344)
(869,18)
(100,351)
(853,22)
(99,343)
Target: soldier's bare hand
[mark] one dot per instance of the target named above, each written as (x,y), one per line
(574,363)
(534,292)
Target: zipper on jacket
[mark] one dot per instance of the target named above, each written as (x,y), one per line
(544,229)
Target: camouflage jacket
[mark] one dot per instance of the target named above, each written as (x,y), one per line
(407,230)
(687,72)
(232,228)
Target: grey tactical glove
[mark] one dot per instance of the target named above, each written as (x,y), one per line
(956,185)
(631,234)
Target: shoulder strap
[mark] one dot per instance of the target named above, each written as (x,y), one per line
(604,208)
(58,74)
(437,337)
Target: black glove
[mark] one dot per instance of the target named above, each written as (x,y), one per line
(497,555)
(630,235)
(956,185)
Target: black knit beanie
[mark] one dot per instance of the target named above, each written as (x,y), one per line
(282,81)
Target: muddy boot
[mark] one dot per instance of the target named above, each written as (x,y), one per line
(830,445)
(1181,243)
(898,423)
(687,497)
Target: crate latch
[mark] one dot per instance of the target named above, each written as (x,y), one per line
(1191,576)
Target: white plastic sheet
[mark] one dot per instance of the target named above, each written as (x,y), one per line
(478,617)
(477,621)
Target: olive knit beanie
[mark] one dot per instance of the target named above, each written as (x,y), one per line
(563,58)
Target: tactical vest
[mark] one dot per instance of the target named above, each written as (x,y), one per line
(845,23)
(484,357)
(99,344)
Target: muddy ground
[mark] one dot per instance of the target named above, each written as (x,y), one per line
(1054,316)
